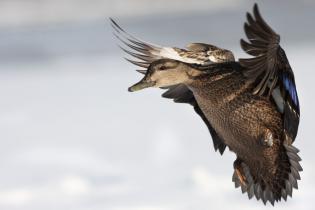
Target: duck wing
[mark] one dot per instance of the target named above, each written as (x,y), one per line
(181,94)
(270,71)
(212,52)
(145,53)
(272,171)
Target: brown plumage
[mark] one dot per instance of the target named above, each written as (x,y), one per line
(250,106)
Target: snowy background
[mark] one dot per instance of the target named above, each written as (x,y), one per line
(73,138)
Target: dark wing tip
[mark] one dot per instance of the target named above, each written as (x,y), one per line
(141,71)
(138,63)
(255,8)
(256,12)
(250,19)
(115,25)
(143,52)
(242,43)
(263,44)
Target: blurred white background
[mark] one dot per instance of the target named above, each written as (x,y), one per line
(73,138)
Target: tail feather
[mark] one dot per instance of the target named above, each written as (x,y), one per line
(276,187)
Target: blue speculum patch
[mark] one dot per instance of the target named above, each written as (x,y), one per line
(290,87)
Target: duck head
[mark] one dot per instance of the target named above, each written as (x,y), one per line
(164,73)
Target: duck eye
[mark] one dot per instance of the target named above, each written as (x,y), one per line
(162,67)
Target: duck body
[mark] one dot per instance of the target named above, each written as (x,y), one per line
(241,119)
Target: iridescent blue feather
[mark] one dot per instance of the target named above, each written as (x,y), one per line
(289,86)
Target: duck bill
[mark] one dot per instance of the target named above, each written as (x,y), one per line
(141,85)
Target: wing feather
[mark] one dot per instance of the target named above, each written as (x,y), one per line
(145,51)
(197,53)
(269,69)
(181,94)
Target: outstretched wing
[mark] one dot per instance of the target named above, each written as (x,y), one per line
(270,70)
(145,53)
(181,94)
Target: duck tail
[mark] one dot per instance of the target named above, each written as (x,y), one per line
(271,183)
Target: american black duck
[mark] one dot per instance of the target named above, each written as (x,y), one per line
(250,105)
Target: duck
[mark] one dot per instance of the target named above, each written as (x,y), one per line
(249,105)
